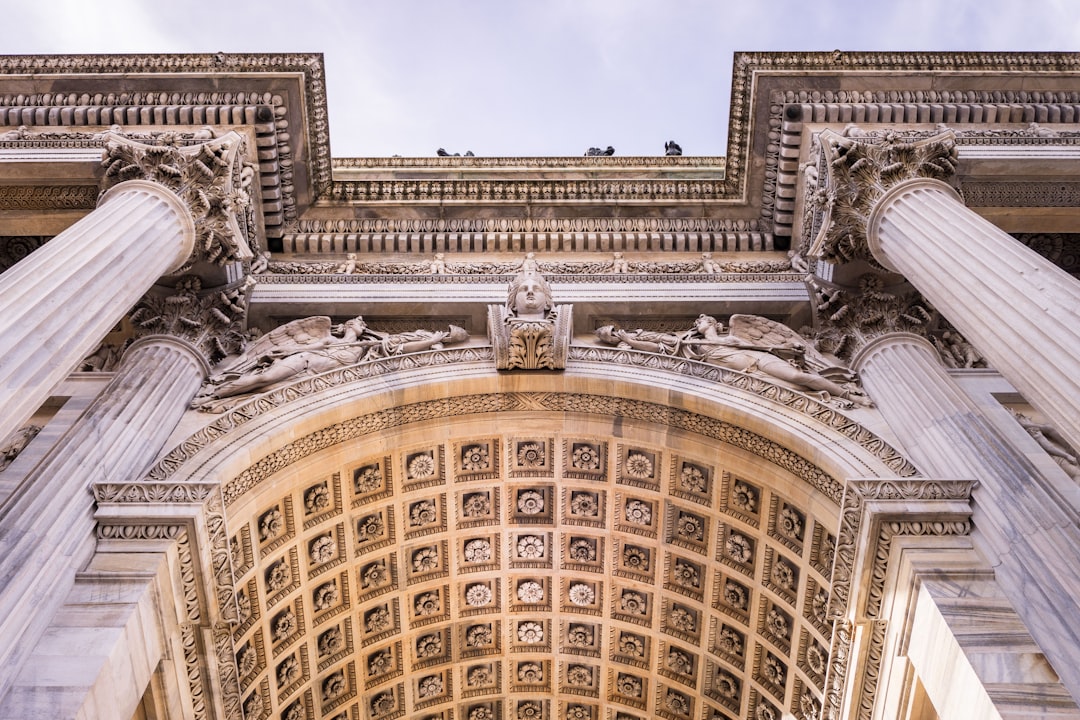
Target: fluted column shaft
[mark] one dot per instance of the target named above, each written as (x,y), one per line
(1030,537)
(57,303)
(47,526)
(1019,309)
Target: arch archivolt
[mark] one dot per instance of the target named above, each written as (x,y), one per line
(615,540)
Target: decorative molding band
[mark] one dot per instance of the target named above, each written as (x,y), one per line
(528,225)
(48,197)
(520,191)
(590,162)
(500,241)
(763,271)
(818,411)
(1021,194)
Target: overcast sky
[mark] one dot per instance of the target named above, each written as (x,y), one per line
(531,77)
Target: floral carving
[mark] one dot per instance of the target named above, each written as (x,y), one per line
(529,710)
(778,624)
(530,672)
(322,549)
(430,686)
(682,619)
(584,504)
(374,574)
(288,671)
(478,550)
(316,499)
(530,502)
(333,686)
(429,645)
(686,574)
(585,457)
(727,685)
(531,455)
(690,527)
(530,633)
(377,619)
(478,595)
(676,702)
(531,547)
(580,636)
(478,676)
(816,658)
(277,576)
(582,549)
(579,675)
(331,641)
(632,645)
(638,466)
(270,524)
(784,574)
(636,558)
(735,595)
(422,513)
(326,596)
(283,626)
(628,685)
(474,458)
(730,641)
(790,522)
(481,713)
(739,548)
(581,594)
(478,636)
(367,479)
(294,712)
(383,703)
(421,465)
(253,705)
(246,659)
(745,497)
(773,670)
(692,479)
(426,559)
(639,512)
(578,712)
(633,603)
(428,603)
(380,663)
(476,505)
(369,528)
(530,591)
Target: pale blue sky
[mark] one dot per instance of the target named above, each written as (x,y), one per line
(540,77)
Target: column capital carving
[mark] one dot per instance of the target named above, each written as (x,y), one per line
(208,322)
(861,169)
(848,318)
(210,179)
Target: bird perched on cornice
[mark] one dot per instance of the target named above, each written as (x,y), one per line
(672,148)
(597,152)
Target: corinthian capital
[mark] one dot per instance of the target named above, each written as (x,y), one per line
(210,178)
(860,169)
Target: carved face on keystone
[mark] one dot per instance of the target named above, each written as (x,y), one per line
(530,297)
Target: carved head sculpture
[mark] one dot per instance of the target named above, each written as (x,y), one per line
(706,324)
(529,296)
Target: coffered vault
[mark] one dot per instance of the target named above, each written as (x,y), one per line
(265,458)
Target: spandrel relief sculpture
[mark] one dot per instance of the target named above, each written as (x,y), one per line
(307,347)
(530,332)
(1053,443)
(753,344)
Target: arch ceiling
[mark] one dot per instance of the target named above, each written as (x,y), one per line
(595,544)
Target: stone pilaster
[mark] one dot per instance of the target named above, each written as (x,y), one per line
(47,527)
(1027,535)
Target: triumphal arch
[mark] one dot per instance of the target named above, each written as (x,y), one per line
(789,433)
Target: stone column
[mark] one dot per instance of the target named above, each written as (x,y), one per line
(890,205)
(58,302)
(1020,310)
(1029,537)
(47,528)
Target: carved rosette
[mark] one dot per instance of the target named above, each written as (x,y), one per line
(860,172)
(210,178)
(522,344)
